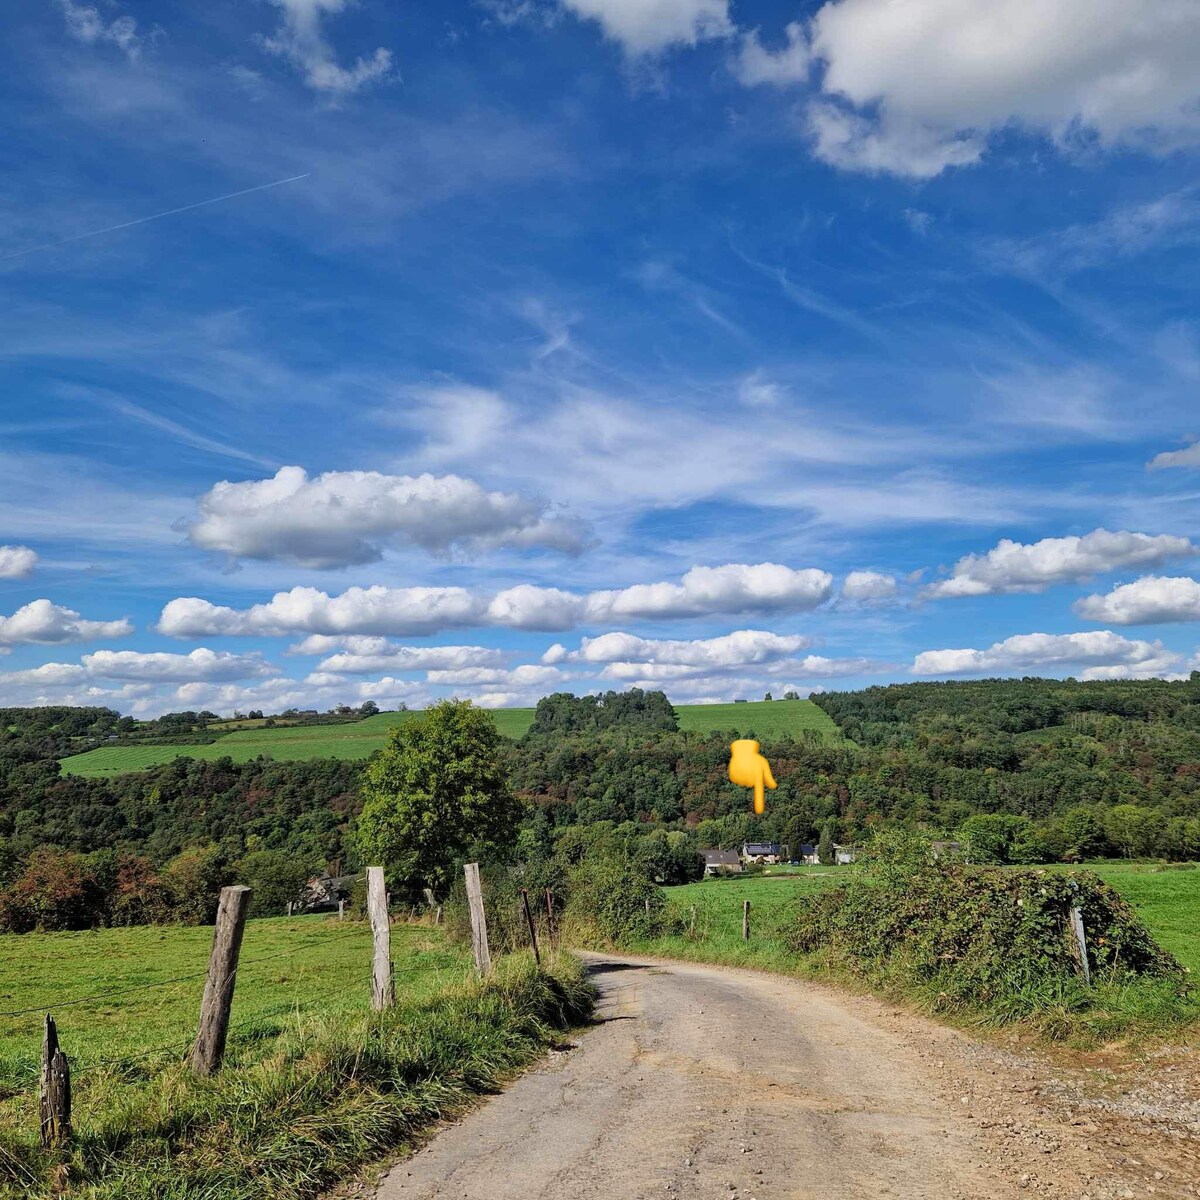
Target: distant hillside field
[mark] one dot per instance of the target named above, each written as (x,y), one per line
(362,738)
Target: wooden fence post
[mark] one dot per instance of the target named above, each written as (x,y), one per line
(692,930)
(291,907)
(383,990)
(550,927)
(209,1048)
(479,937)
(54,1091)
(537,956)
(341,910)
(1081,942)
(745,920)
(437,916)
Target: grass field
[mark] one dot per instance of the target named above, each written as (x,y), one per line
(314,1083)
(362,738)
(149,981)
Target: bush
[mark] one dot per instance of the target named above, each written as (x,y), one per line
(614,899)
(501,908)
(979,936)
(56,890)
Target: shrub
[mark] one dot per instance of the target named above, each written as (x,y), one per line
(613,898)
(56,890)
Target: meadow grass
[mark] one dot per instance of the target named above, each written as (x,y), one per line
(360,739)
(314,1084)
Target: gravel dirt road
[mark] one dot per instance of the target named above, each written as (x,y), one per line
(700,1081)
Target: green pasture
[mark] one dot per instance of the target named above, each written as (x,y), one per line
(360,739)
(129,998)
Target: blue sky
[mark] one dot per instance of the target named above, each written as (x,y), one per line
(574,344)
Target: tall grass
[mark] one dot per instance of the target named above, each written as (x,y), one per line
(331,1094)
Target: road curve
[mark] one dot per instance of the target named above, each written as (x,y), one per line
(699,1081)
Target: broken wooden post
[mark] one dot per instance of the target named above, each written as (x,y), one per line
(537,957)
(479,937)
(54,1091)
(209,1049)
(383,990)
(1081,943)
(745,920)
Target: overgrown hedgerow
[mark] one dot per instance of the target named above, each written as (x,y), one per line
(330,1097)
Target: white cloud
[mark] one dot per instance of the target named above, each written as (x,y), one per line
(868,585)
(387,656)
(47,676)
(342,518)
(46,623)
(17,562)
(1147,601)
(200,665)
(755,64)
(648,26)
(1018,567)
(703,591)
(733,649)
(1101,653)
(528,675)
(922,85)
(300,41)
(1189,456)
(86,24)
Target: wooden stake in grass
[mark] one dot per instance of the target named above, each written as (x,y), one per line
(692,929)
(745,920)
(209,1050)
(537,956)
(383,989)
(479,937)
(54,1092)
(1081,941)
(341,910)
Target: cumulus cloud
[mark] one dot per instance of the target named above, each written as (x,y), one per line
(1018,567)
(46,623)
(649,26)
(301,41)
(343,518)
(526,676)
(1189,456)
(915,88)
(17,562)
(756,64)
(703,591)
(1151,600)
(200,665)
(732,649)
(1102,653)
(85,23)
(868,585)
(383,655)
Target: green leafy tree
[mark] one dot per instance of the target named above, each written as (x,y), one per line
(435,793)
(275,879)
(826,855)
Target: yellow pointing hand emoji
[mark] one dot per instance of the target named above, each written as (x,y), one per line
(748,768)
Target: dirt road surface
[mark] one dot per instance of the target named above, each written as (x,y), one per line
(706,1082)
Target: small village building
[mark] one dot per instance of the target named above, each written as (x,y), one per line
(808,855)
(844,855)
(762,853)
(721,862)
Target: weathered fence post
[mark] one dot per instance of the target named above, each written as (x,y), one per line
(209,1048)
(291,907)
(537,956)
(479,937)
(341,910)
(745,920)
(647,906)
(54,1091)
(692,929)
(437,916)
(1081,942)
(550,928)
(383,990)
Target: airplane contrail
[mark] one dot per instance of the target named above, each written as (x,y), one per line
(157,216)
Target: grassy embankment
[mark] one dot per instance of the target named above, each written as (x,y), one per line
(361,739)
(314,1085)
(1166,900)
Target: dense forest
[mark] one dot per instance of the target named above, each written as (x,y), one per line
(1029,770)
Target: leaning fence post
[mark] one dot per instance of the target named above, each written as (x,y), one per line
(54,1091)
(745,920)
(383,990)
(1081,942)
(692,929)
(479,937)
(209,1048)
(537,957)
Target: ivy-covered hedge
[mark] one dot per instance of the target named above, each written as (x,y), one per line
(980,936)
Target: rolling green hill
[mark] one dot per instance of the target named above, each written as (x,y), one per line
(362,738)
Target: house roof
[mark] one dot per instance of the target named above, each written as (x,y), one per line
(760,848)
(721,858)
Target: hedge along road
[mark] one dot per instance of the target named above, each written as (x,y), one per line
(700,1081)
